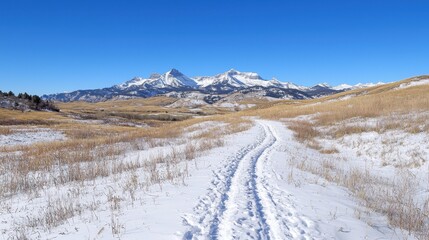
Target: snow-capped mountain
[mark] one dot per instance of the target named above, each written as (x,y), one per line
(290,85)
(232,80)
(170,79)
(174,83)
(322,85)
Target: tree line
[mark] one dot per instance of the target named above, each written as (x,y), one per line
(34,101)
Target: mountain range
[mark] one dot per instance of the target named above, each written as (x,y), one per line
(211,88)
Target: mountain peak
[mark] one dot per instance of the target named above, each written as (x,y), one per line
(232,71)
(174,78)
(174,72)
(323,85)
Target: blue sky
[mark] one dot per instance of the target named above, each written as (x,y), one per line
(50,46)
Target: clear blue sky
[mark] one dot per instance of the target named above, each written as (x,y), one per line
(50,46)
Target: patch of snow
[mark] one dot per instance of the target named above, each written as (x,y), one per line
(228,105)
(357,86)
(30,136)
(413,83)
(365,85)
(188,103)
(342,87)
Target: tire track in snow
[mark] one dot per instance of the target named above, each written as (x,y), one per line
(204,222)
(244,216)
(284,220)
(242,203)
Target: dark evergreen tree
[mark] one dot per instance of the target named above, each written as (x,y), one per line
(36,99)
(26,96)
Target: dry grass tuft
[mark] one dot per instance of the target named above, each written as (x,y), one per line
(6,131)
(304,130)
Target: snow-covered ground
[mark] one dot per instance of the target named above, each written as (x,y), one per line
(30,136)
(248,189)
(413,83)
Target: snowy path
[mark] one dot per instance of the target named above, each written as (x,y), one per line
(244,201)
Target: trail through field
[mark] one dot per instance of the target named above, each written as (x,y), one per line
(244,201)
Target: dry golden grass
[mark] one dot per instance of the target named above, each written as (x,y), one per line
(304,130)
(150,111)
(5,131)
(119,105)
(15,117)
(329,151)
(136,106)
